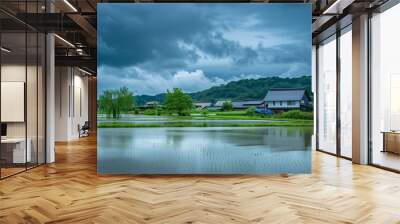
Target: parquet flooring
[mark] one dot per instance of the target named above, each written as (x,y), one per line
(70,191)
(10,171)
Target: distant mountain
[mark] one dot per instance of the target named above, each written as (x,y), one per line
(142,99)
(245,89)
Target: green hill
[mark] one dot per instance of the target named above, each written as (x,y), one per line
(245,89)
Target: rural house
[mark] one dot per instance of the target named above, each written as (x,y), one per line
(287,99)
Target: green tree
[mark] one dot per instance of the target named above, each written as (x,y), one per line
(106,103)
(125,99)
(178,102)
(204,112)
(114,102)
(251,111)
(227,106)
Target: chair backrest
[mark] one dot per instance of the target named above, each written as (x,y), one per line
(86,125)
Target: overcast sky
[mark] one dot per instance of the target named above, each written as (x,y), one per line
(154,47)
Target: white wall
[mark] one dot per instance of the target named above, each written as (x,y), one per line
(283,105)
(71,102)
(33,126)
(62,82)
(11,73)
(80,104)
(14,73)
(17,73)
(13,100)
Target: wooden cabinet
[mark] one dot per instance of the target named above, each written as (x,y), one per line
(391,142)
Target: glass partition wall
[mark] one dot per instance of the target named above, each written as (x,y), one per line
(385,89)
(13,88)
(334,94)
(22,78)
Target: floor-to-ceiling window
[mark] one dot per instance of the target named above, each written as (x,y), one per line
(334,93)
(22,88)
(326,91)
(345,60)
(385,89)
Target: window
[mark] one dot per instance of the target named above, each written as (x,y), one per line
(327,95)
(385,88)
(346,92)
(291,103)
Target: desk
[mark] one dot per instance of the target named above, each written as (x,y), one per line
(391,141)
(16,147)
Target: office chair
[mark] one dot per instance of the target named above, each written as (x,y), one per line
(84,130)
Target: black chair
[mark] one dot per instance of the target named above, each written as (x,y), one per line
(84,130)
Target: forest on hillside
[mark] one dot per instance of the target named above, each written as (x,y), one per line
(245,89)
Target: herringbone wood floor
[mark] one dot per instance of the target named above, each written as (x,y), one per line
(70,191)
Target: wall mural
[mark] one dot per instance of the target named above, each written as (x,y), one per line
(204,88)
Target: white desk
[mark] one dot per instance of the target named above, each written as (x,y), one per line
(19,154)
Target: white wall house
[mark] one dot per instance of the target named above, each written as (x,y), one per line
(287,99)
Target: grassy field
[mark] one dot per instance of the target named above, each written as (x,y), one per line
(208,117)
(292,118)
(291,123)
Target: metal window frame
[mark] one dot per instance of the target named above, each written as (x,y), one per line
(44,74)
(338,33)
(387,5)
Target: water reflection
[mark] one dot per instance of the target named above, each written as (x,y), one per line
(219,150)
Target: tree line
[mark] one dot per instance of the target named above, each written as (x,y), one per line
(245,89)
(115,102)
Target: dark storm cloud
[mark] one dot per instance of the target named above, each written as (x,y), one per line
(287,53)
(137,33)
(213,43)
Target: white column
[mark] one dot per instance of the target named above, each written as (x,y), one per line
(314,91)
(50,92)
(360,90)
(50,100)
